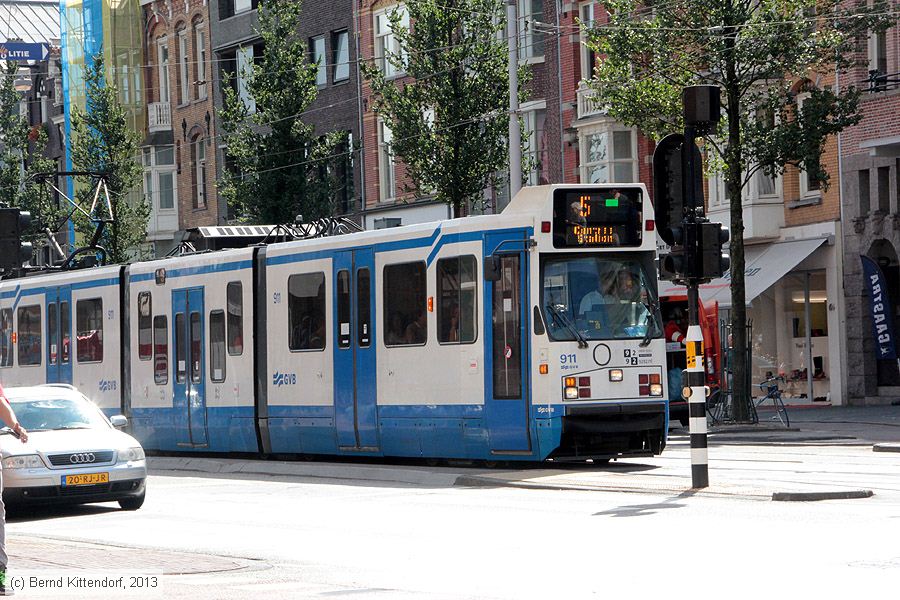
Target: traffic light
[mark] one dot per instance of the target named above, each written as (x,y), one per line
(713,263)
(696,253)
(13,251)
(673,266)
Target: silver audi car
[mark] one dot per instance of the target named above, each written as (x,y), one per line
(74,454)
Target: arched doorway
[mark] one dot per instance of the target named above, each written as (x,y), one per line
(882,252)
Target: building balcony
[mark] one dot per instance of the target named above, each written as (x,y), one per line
(159,117)
(588,105)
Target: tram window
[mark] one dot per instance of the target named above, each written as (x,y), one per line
(145,318)
(29,335)
(6,346)
(160,350)
(306,311)
(405,317)
(196,350)
(52,328)
(343,308)
(363,308)
(235,299)
(64,332)
(89,330)
(457,290)
(217,345)
(180,358)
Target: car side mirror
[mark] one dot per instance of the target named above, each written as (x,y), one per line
(118,421)
(492,268)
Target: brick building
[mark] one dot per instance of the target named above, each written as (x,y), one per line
(178,152)
(870,172)
(330,29)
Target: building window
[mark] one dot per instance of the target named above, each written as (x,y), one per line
(235,299)
(385,162)
(29,335)
(537,145)
(405,317)
(159,177)
(457,291)
(809,184)
(863,184)
(217,346)
(200,45)
(162,64)
(878,60)
(306,311)
(198,160)
(89,330)
(588,56)
(184,86)
(386,43)
(340,49)
(531,42)
(160,349)
(341,171)
(244,56)
(317,57)
(608,155)
(145,319)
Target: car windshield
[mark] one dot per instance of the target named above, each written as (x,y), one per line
(37,414)
(598,298)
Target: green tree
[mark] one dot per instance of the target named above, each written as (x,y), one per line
(103,143)
(22,157)
(281,168)
(760,53)
(449,119)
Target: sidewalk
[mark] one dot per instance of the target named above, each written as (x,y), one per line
(828,451)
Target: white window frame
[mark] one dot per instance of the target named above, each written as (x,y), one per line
(878,52)
(162,48)
(609,128)
(805,191)
(317,52)
(243,58)
(152,172)
(386,168)
(587,14)
(242,6)
(200,173)
(340,62)
(525,27)
(386,41)
(200,45)
(183,68)
(529,112)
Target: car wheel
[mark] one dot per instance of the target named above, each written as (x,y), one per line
(133,503)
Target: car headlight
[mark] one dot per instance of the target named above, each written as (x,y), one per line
(131,454)
(26,461)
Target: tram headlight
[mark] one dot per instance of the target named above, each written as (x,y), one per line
(656,389)
(616,375)
(571,393)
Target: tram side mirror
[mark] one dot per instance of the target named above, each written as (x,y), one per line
(492,268)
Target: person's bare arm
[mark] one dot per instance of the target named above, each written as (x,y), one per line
(9,417)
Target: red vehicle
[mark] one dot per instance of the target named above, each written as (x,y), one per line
(671,306)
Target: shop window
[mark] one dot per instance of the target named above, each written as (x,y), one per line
(404,305)
(235,297)
(29,335)
(160,350)
(145,319)
(217,346)
(89,330)
(457,291)
(306,311)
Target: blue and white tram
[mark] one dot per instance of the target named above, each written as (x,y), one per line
(525,335)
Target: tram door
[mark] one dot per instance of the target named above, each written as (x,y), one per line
(189,397)
(354,350)
(506,346)
(59,334)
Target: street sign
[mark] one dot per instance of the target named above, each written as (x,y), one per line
(23,51)
(668,184)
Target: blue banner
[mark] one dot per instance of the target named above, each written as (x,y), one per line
(22,51)
(880,305)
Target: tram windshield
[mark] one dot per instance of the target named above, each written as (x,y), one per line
(598,298)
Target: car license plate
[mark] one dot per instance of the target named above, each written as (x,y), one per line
(85,479)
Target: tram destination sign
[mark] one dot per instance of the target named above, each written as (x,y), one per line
(23,51)
(592,219)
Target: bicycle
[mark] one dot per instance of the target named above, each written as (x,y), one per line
(773,393)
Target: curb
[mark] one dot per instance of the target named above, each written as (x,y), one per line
(886,447)
(815,496)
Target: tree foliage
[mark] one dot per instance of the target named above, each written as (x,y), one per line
(102,142)
(22,158)
(280,167)
(449,116)
(761,54)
